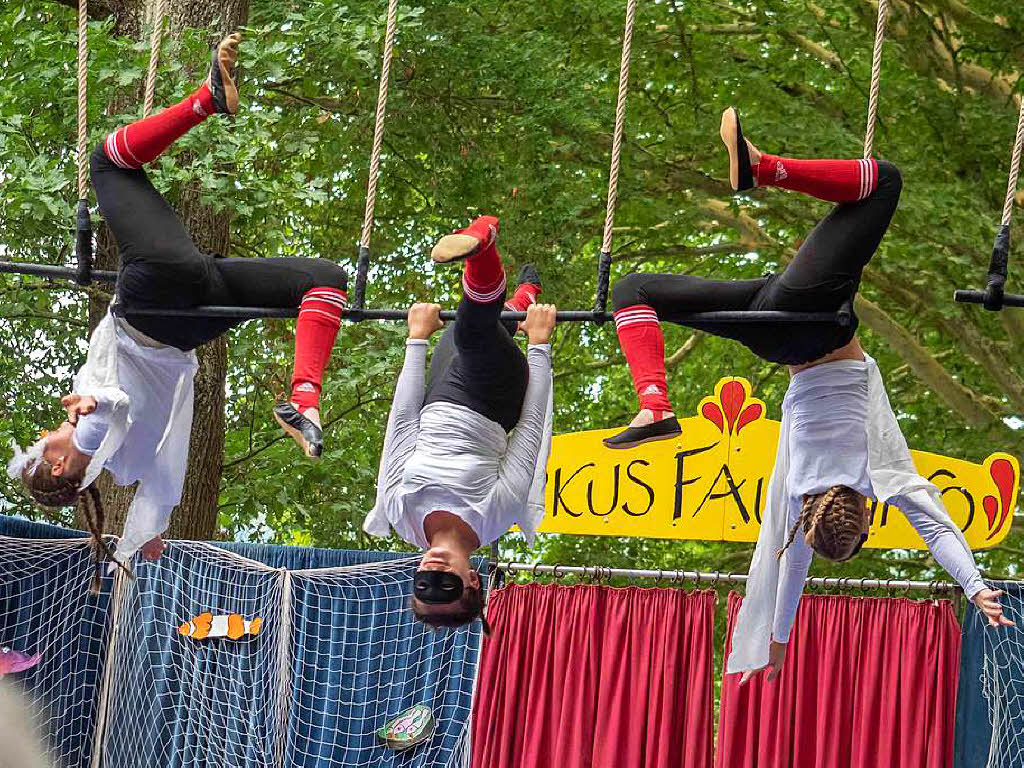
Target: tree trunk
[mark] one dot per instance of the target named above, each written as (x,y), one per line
(196,516)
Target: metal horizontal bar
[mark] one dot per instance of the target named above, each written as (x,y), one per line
(357,315)
(978,297)
(58,273)
(704,577)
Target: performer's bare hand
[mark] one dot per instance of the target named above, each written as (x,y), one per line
(424,319)
(776,658)
(987,601)
(153,548)
(76,406)
(539,323)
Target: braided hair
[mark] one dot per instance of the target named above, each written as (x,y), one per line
(52,491)
(834,522)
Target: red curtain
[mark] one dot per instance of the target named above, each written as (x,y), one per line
(868,683)
(595,677)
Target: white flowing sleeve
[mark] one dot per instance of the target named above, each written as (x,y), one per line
(402,431)
(796,563)
(528,448)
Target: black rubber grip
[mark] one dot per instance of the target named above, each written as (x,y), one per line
(604,271)
(362,270)
(83,245)
(997,270)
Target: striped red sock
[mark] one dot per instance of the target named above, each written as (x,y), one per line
(483,277)
(525,295)
(315,331)
(838,181)
(142,142)
(644,347)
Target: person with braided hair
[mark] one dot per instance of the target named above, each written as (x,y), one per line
(131,408)
(839,442)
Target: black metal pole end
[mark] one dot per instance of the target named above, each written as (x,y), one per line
(362,270)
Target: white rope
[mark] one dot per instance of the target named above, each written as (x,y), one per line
(876,76)
(378,125)
(1011,185)
(83,128)
(620,122)
(159,11)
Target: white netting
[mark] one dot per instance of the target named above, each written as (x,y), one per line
(358,661)
(1002,681)
(337,656)
(46,608)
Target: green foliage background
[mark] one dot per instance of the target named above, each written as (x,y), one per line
(506,107)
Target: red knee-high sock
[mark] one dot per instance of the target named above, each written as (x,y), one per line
(139,143)
(838,181)
(483,278)
(315,332)
(644,348)
(525,295)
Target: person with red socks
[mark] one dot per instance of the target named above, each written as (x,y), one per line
(824,275)
(131,408)
(451,478)
(839,441)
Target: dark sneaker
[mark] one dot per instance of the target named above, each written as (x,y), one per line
(665,429)
(223,65)
(741,176)
(304,429)
(529,274)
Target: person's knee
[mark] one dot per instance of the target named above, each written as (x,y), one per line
(327,274)
(890,180)
(628,291)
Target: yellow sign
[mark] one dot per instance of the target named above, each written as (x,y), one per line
(711,482)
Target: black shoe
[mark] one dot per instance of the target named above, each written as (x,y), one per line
(665,429)
(529,274)
(302,429)
(741,155)
(222,83)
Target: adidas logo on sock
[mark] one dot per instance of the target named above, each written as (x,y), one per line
(198,108)
(652,389)
(780,171)
(305,387)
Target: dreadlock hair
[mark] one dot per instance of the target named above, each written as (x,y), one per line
(471,607)
(833,522)
(51,491)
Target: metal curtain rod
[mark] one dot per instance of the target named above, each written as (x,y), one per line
(724,578)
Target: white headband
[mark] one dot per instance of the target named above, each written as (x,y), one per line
(23,461)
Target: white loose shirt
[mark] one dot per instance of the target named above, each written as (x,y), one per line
(837,429)
(142,425)
(447,457)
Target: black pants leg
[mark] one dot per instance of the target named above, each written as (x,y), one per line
(827,268)
(161,267)
(478,365)
(824,274)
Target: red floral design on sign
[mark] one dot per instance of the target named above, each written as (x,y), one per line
(1003,475)
(730,412)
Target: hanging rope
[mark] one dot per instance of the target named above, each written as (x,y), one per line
(363,264)
(83,221)
(876,76)
(994,297)
(1011,185)
(605,263)
(158,10)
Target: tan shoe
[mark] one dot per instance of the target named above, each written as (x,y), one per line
(223,66)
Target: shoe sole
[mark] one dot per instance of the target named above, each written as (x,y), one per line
(728,132)
(295,435)
(455,248)
(635,443)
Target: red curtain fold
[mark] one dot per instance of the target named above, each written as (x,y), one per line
(868,683)
(595,677)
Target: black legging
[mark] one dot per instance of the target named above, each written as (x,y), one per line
(159,266)
(478,365)
(823,275)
